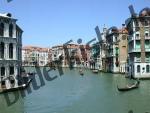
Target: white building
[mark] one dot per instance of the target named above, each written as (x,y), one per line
(112,50)
(10,51)
(72,55)
(139,44)
(32,56)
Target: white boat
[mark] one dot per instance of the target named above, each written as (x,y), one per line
(95,71)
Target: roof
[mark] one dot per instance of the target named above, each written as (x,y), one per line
(35,48)
(7,15)
(145,12)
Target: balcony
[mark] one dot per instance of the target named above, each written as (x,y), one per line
(137,59)
(134,50)
(147,49)
(132,38)
(147,37)
(147,59)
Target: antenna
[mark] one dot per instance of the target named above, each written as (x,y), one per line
(132,10)
(98,33)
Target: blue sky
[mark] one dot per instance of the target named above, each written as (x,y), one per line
(51,22)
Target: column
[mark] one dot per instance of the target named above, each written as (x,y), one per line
(15,74)
(14,51)
(6,51)
(14,30)
(7,83)
(0,74)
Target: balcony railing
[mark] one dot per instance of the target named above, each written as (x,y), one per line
(147,59)
(137,38)
(132,38)
(147,49)
(147,37)
(134,50)
(137,59)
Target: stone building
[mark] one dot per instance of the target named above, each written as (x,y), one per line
(32,55)
(138,26)
(73,55)
(10,51)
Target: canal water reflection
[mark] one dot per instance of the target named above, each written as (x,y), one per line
(91,93)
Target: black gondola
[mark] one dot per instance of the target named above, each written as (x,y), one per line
(21,87)
(81,72)
(128,88)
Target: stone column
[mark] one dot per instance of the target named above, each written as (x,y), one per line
(6,51)
(0,74)
(15,74)
(14,52)
(7,83)
(6,30)
(14,30)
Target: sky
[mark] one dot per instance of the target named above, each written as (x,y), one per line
(52,22)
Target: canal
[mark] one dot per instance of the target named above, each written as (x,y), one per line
(72,93)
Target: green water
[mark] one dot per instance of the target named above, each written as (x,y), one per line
(72,93)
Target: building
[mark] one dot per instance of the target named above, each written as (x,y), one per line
(32,55)
(95,60)
(123,49)
(103,49)
(138,26)
(112,50)
(10,51)
(116,50)
(72,55)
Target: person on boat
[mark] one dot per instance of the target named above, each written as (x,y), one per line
(81,71)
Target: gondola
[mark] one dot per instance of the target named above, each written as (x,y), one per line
(95,71)
(81,72)
(128,88)
(21,87)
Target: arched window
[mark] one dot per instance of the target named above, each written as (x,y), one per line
(1,29)
(2,49)
(11,70)
(138,69)
(11,30)
(10,50)
(2,71)
(147,68)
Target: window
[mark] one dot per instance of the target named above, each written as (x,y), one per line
(146,34)
(11,70)
(138,69)
(115,39)
(10,50)
(137,35)
(2,71)
(2,50)
(136,24)
(10,30)
(146,23)
(1,29)
(147,68)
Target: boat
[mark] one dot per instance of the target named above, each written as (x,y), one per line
(31,73)
(128,88)
(20,87)
(81,72)
(95,71)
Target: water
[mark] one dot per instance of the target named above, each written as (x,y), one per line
(72,93)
